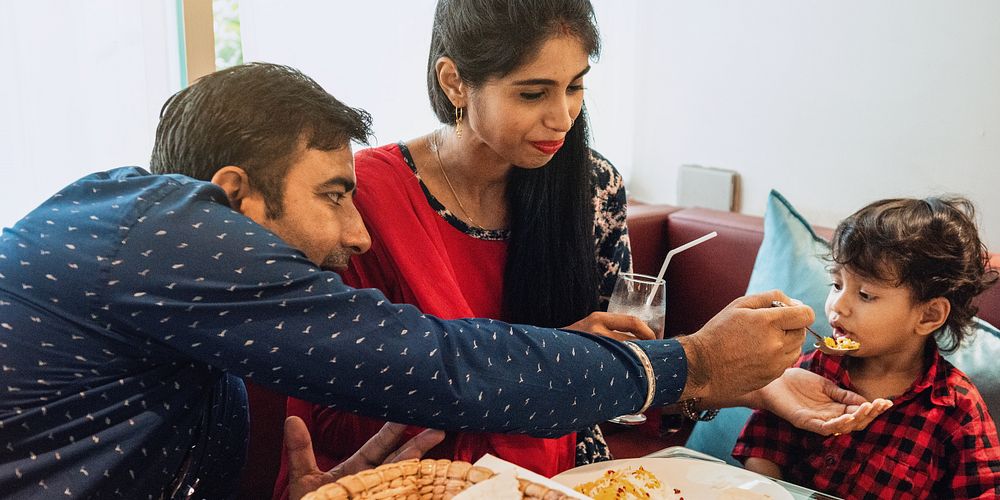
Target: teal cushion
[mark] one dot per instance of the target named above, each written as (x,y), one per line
(978,359)
(717,437)
(791,259)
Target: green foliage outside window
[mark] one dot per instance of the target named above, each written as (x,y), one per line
(228,44)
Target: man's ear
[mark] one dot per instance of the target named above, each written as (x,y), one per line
(451,81)
(933,314)
(235,182)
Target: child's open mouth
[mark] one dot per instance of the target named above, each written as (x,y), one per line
(842,339)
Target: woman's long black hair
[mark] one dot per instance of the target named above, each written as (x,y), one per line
(551,276)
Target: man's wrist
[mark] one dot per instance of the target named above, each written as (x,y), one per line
(697,376)
(670,370)
(753,399)
(699,379)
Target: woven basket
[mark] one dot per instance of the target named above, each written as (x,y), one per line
(419,479)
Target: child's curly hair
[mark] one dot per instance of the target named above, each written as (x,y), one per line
(930,246)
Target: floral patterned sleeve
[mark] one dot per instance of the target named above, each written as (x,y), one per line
(614,254)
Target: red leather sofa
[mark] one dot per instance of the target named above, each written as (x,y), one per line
(702,282)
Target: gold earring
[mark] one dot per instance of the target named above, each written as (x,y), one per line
(459,113)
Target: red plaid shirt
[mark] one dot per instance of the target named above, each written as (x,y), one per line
(937,441)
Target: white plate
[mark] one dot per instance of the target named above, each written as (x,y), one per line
(696,479)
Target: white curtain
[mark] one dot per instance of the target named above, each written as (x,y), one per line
(81,88)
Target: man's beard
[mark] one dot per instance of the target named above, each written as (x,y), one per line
(336,261)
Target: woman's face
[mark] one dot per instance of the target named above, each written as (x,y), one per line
(524,116)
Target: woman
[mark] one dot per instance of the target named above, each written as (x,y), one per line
(503,213)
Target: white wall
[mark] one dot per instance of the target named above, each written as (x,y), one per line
(611,86)
(835,104)
(371,54)
(80,91)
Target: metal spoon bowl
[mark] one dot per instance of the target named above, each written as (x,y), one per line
(824,342)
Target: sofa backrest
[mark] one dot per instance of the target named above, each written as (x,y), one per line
(647,230)
(703,280)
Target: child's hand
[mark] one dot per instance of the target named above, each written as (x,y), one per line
(855,417)
(811,402)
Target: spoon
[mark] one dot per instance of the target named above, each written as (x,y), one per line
(829,345)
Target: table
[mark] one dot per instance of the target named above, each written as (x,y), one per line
(797,492)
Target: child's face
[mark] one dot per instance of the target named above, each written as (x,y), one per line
(882,317)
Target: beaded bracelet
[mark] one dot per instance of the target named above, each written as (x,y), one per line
(689,408)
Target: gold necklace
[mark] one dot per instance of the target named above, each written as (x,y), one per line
(433,145)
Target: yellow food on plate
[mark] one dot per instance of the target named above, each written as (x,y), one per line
(841,343)
(625,484)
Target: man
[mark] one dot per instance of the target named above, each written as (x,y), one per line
(131,304)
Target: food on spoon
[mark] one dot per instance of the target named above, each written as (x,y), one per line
(844,343)
(625,484)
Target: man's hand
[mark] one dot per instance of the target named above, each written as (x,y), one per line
(304,475)
(744,347)
(809,401)
(615,326)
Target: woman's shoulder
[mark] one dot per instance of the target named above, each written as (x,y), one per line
(606,176)
(388,161)
(602,168)
(378,157)
(608,183)
(384,173)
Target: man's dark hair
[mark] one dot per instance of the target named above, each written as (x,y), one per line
(254,116)
(930,246)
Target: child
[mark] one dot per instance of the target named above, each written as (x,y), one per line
(904,273)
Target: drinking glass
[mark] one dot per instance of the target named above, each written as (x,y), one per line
(644,297)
